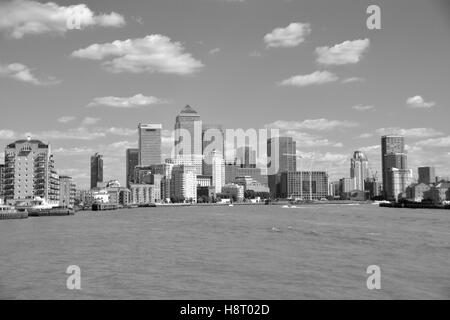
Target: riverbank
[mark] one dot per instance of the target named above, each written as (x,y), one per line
(414,205)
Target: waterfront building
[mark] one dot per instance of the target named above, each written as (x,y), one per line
(165,170)
(233,191)
(184,183)
(304,185)
(132,161)
(359,170)
(416,192)
(2,177)
(392,156)
(67,191)
(252,185)
(30,172)
(149,144)
(438,193)
(374,187)
(96,170)
(398,181)
(427,175)
(346,186)
(214,166)
(232,171)
(204,181)
(144,194)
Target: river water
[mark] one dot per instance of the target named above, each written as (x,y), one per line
(240,252)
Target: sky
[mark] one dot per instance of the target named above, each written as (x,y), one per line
(82,74)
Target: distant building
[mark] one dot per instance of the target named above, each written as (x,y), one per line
(427,175)
(359,170)
(96,170)
(252,185)
(233,191)
(232,171)
(214,166)
(392,156)
(213,139)
(2,177)
(333,189)
(188,145)
(144,194)
(204,181)
(132,161)
(417,191)
(149,144)
(67,191)
(307,185)
(184,183)
(245,157)
(30,172)
(165,170)
(346,186)
(374,187)
(398,180)
(282,155)
(438,193)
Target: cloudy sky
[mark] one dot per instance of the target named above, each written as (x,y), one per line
(82,74)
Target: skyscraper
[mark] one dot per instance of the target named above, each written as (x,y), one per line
(188,125)
(30,172)
(132,160)
(188,139)
(392,156)
(245,157)
(359,170)
(149,144)
(213,134)
(427,175)
(67,192)
(281,152)
(96,170)
(2,176)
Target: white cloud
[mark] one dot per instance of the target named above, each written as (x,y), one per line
(214,51)
(7,134)
(154,53)
(411,133)
(124,132)
(136,101)
(255,54)
(353,79)
(288,37)
(315,78)
(361,107)
(347,52)
(21,72)
(88,121)
(312,124)
(365,135)
(419,102)
(442,142)
(26,17)
(66,119)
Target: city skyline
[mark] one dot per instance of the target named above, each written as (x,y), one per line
(331,104)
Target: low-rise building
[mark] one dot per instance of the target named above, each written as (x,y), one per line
(416,192)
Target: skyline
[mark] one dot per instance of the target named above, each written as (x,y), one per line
(248,73)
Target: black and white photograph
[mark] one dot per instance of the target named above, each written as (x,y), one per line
(224,150)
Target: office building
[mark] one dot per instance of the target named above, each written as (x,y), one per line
(30,172)
(188,133)
(67,191)
(2,177)
(149,144)
(281,154)
(359,170)
(304,185)
(132,161)
(183,183)
(232,171)
(427,175)
(392,156)
(245,157)
(96,170)
(214,166)
(213,139)
(398,181)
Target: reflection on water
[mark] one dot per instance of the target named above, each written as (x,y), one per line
(251,252)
